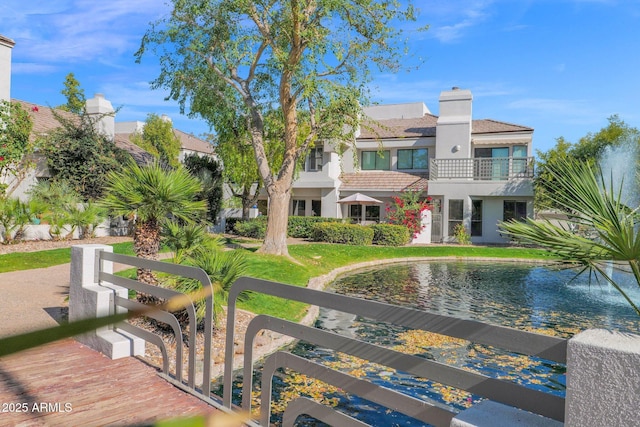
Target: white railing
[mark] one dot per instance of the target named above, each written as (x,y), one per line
(482,169)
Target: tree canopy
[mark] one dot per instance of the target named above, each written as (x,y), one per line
(80,155)
(74,94)
(308,62)
(209,172)
(157,138)
(15,143)
(589,149)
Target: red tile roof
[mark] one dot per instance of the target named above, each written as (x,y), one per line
(384,181)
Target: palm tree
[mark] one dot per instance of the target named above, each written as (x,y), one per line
(150,194)
(605,230)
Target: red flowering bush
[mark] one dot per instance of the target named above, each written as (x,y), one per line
(407,210)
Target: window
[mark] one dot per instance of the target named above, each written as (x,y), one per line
(316,207)
(456,211)
(519,159)
(299,207)
(413,159)
(492,163)
(355,212)
(371,213)
(476,217)
(315,159)
(513,209)
(376,160)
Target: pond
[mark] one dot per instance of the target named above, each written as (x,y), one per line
(526,297)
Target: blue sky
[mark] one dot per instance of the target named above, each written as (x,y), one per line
(559,66)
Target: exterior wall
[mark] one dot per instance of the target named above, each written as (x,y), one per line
(453,131)
(104,114)
(411,110)
(5,68)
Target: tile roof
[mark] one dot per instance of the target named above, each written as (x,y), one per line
(383,181)
(495,126)
(193,143)
(140,156)
(399,128)
(43,117)
(426,127)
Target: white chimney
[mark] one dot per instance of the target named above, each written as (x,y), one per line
(6,44)
(166,118)
(453,130)
(103,115)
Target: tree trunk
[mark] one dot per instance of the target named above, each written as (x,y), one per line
(275,241)
(146,244)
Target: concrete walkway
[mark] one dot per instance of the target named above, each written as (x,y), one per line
(33,299)
(36,299)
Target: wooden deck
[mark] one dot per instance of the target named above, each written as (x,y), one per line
(68,384)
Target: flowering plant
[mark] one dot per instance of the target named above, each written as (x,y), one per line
(407,209)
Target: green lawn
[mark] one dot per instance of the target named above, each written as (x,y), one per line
(312,260)
(29,260)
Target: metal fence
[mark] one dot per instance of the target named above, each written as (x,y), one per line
(482,169)
(509,393)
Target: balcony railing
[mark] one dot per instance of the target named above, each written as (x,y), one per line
(481,169)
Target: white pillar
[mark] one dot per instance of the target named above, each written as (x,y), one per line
(424,236)
(90,299)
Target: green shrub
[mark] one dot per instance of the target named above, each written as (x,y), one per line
(462,235)
(255,228)
(390,235)
(302,226)
(349,234)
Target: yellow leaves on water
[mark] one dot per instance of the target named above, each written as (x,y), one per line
(417,341)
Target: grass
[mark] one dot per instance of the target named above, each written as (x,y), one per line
(312,260)
(41,259)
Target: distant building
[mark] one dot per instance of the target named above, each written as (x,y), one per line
(478,172)
(44,121)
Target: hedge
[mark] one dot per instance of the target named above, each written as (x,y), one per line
(298,226)
(390,235)
(350,234)
(255,228)
(302,226)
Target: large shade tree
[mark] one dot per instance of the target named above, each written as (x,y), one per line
(149,195)
(308,60)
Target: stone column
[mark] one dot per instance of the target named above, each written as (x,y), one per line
(90,299)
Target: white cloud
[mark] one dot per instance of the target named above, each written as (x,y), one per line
(575,111)
(80,30)
(32,68)
(459,16)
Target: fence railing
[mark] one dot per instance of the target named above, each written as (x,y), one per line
(482,169)
(509,393)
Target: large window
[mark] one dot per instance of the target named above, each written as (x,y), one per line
(413,159)
(456,214)
(476,217)
(299,207)
(376,160)
(315,159)
(513,209)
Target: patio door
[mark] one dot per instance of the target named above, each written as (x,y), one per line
(493,163)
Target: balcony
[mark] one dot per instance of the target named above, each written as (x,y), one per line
(482,169)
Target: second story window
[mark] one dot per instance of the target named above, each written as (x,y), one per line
(376,160)
(315,159)
(413,159)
